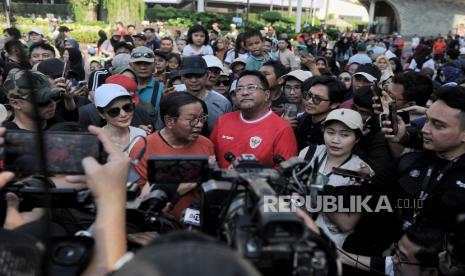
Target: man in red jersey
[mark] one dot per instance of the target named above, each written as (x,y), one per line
(254,128)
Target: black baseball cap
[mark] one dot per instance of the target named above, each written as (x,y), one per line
(149,29)
(370,71)
(63,29)
(194,65)
(51,67)
(140,35)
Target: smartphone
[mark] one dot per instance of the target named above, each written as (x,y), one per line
(82,83)
(405,115)
(377,91)
(35,197)
(177,169)
(291,110)
(392,117)
(350,173)
(302,50)
(65,74)
(180,87)
(64,151)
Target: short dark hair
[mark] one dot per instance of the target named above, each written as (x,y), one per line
(195,29)
(12,31)
(430,240)
(251,33)
(44,45)
(454,97)
(453,53)
(259,75)
(167,38)
(172,103)
(417,87)
(174,55)
(130,25)
(336,88)
(278,68)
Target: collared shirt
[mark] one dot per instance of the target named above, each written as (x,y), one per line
(145,95)
(254,63)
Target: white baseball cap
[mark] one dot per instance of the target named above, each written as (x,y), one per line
(351,118)
(213,61)
(300,75)
(36,32)
(106,93)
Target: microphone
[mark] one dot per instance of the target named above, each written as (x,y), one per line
(277,159)
(229,156)
(159,195)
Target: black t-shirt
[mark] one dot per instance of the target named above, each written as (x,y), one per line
(308,133)
(446,196)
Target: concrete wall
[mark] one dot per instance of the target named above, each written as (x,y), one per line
(428,17)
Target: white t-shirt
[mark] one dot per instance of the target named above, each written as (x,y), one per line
(353,163)
(230,56)
(204,50)
(133,133)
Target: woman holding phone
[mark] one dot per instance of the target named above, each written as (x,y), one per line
(116,106)
(342,130)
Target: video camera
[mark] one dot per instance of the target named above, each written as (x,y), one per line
(232,208)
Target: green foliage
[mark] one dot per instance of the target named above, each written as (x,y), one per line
(41,9)
(283,27)
(180,22)
(125,10)
(86,37)
(159,13)
(81,8)
(333,33)
(271,16)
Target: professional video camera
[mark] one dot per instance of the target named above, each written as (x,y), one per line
(232,209)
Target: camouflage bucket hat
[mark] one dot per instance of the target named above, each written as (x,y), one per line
(18,86)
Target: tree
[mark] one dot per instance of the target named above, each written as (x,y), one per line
(126,11)
(84,10)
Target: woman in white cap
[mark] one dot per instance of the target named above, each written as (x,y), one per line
(342,130)
(116,106)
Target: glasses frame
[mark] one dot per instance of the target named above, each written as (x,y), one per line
(315,98)
(194,121)
(396,253)
(124,107)
(249,88)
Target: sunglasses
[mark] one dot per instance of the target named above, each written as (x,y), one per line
(190,76)
(345,79)
(115,111)
(315,98)
(223,82)
(145,55)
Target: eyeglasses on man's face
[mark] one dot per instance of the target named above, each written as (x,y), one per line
(249,88)
(400,257)
(194,121)
(315,98)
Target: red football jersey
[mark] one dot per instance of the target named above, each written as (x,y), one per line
(266,138)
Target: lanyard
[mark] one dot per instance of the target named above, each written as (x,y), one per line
(426,187)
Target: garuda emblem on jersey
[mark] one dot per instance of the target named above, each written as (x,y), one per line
(255,141)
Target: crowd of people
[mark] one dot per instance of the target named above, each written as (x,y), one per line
(365,104)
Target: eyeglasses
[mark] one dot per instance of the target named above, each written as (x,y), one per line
(115,111)
(251,88)
(345,79)
(145,55)
(315,98)
(47,103)
(201,119)
(396,253)
(295,88)
(223,82)
(190,76)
